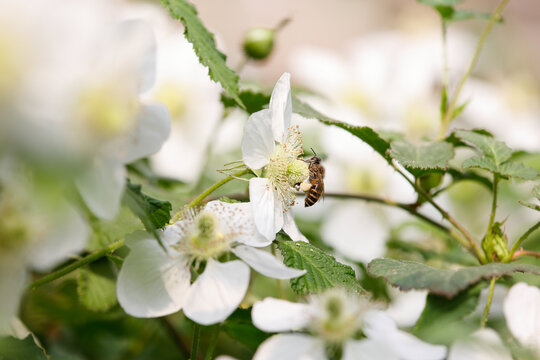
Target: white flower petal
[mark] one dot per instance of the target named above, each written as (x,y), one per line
(522,311)
(367,349)
(217,292)
(289,226)
(153,128)
(281,107)
(152,283)
(291,347)
(483,344)
(406,306)
(13,281)
(68,237)
(236,220)
(278,213)
(276,315)
(101,186)
(381,328)
(258,143)
(265,263)
(262,201)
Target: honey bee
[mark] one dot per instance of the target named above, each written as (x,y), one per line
(314,188)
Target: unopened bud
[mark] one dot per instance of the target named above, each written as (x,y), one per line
(495,244)
(259,42)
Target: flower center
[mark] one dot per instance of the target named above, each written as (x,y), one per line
(285,170)
(106,110)
(338,317)
(15,231)
(206,240)
(175,98)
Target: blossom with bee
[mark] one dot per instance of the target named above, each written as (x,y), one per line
(154,282)
(272,146)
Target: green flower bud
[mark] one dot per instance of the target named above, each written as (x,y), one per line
(430,181)
(495,243)
(258,43)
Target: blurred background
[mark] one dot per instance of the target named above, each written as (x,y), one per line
(375,63)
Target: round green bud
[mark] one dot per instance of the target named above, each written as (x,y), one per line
(430,181)
(258,43)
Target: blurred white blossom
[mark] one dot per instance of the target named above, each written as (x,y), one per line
(183,85)
(522,312)
(38,230)
(335,318)
(75,102)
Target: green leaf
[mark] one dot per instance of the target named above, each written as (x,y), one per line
(254,101)
(441,321)
(494,149)
(96,292)
(508,169)
(536,193)
(422,156)
(153,213)
(366,134)
(514,169)
(16,349)
(204,46)
(323,270)
(409,275)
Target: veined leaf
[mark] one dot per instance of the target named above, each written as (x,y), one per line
(508,169)
(204,46)
(422,156)
(450,312)
(494,149)
(96,292)
(323,271)
(409,275)
(365,133)
(153,213)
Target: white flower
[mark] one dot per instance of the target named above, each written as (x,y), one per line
(483,344)
(183,85)
(154,283)
(74,93)
(334,318)
(270,144)
(38,230)
(522,311)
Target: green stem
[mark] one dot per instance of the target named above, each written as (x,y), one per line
(450,110)
(444,90)
(213,343)
(488,303)
(472,246)
(522,239)
(207,192)
(195,343)
(494,203)
(77,264)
